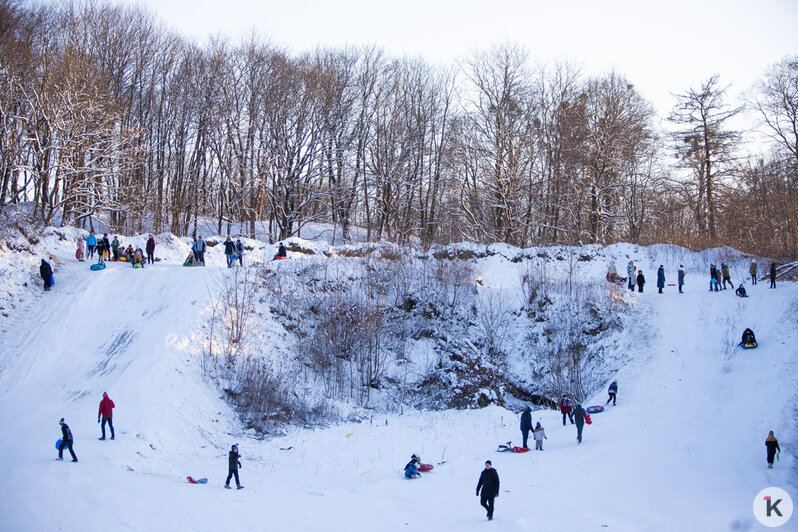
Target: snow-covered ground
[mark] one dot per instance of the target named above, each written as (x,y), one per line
(682,450)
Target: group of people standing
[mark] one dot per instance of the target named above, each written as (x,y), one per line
(719,277)
(113,250)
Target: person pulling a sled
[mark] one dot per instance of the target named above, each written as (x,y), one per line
(489,483)
(772,445)
(612,391)
(66,441)
(233,465)
(411,469)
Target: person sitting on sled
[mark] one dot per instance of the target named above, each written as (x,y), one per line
(748,338)
(741,291)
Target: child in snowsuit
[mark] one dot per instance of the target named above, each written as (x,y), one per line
(640,281)
(411,469)
(612,391)
(566,407)
(772,445)
(526,425)
(233,465)
(540,435)
(66,441)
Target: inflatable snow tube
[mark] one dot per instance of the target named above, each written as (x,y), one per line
(58,445)
(749,346)
(98,266)
(426,467)
(595,409)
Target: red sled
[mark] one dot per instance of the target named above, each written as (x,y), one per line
(194,481)
(587,419)
(519,449)
(426,467)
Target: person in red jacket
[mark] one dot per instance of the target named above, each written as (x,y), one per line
(566,407)
(106,411)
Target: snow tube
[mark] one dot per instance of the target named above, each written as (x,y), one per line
(519,449)
(98,266)
(137,265)
(426,467)
(58,445)
(188,265)
(749,346)
(595,409)
(279,258)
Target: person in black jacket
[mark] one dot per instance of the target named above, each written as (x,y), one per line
(640,281)
(526,425)
(233,465)
(772,445)
(281,252)
(66,441)
(579,415)
(240,252)
(661,278)
(681,278)
(773,275)
(46,271)
(489,482)
(229,250)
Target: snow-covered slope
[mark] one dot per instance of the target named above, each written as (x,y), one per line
(682,450)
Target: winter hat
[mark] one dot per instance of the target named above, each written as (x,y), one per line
(234,447)
(105,394)
(61,422)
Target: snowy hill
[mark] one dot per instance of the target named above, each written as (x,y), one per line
(683,449)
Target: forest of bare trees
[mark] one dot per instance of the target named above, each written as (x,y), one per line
(107,115)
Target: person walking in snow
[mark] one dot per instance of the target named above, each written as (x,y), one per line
(229,250)
(66,441)
(526,425)
(579,417)
(772,445)
(752,271)
(640,281)
(106,412)
(489,483)
(91,244)
(540,435)
(773,275)
(681,278)
(80,253)
(630,275)
(661,278)
(233,465)
(713,278)
(411,469)
(724,268)
(150,247)
(240,252)
(612,391)
(115,248)
(566,407)
(46,271)
(199,250)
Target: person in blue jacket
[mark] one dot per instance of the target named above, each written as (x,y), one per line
(526,425)
(411,469)
(612,392)
(661,278)
(91,244)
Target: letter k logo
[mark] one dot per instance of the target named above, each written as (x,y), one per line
(772,506)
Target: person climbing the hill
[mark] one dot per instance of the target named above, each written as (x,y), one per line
(233,465)
(66,441)
(566,407)
(752,271)
(411,469)
(229,250)
(630,275)
(772,275)
(579,416)
(150,247)
(199,250)
(681,278)
(281,252)
(713,278)
(741,291)
(661,278)
(526,425)
(748,338)
(80,253)
(540,435)
(724,268)
(106,412)
(772,445)
(240,252)
(640,281)
(46,271)
(489,482)
(91,244)
(612,391)
(115,249)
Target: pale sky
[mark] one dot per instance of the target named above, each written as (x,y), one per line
(661,46)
